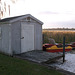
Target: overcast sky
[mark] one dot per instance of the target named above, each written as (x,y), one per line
(54,13)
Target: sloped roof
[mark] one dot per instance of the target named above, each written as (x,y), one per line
(16,18)
(10,18)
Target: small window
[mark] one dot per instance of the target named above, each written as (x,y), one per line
(28,19)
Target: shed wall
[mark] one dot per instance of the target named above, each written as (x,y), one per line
(5,39)
(16,37)
(38,36)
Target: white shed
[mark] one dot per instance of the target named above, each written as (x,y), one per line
(20,34)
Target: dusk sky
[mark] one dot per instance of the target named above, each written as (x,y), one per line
(54,13)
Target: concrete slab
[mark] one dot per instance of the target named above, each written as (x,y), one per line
(39,56)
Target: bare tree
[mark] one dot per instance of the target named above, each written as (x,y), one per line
(13,1)
(5,8)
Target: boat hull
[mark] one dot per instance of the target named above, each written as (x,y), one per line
(57,50)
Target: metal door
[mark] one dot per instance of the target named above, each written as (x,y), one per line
(27,38)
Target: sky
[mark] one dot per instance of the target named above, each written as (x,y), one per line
(53,13)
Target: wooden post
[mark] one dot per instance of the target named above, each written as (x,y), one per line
(43,38)
(63,49)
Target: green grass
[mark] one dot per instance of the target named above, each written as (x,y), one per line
(15,66)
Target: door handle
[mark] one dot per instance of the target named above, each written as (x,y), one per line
(22,37)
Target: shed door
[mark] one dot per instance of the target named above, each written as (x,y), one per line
(27,38)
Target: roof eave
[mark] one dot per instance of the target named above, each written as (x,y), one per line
(5,22)
(28,15)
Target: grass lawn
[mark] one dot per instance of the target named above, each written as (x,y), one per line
(15,66)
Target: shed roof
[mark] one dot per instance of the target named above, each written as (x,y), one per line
(16,18)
